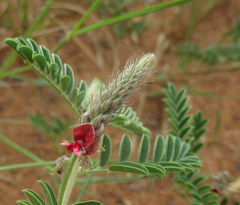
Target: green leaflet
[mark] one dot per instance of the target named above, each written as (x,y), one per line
(26,52)
(74,95)
(69,72)
(121,121)
(13,43)
(33,197)
(125,148)
(58,61)
(153,168)
(41,61)
(144,149)
(184,150)
(33,45)
(193,163)
(46,53)
(199,180)
(65,82)
(53,70)
(205,189)
(81,93)
(195,194)
(169,148)
(130,167)
(195,202)
(49,66)
(79,98)
(105,155)
(177,148)
(91,202)
(209,196)
(213,203)
(21,41)
(171,166)
(48,193)
(158,149)
(187,166)
(23,202)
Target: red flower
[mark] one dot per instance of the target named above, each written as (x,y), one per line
(215,191)
(83,137)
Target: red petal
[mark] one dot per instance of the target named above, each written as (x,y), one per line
(70,146)
(92,149)
(77,151)
(66,143)
(84,135)
(215,191)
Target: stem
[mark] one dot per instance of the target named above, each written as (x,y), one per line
(180,73)
(62,94)
(14,72)
(27,154)
(192,22)
(127,16)
(68,180)
(25,165)
(110,179)
(81,21)
(13,121)
(84,187)
(198,93)
(9,61)
(218,124)
(20,149)
(94,171)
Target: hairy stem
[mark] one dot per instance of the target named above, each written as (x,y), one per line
(68,180)
(62,94)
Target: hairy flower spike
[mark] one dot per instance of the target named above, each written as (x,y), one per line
(107,102)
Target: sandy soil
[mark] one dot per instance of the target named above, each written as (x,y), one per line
(95,55)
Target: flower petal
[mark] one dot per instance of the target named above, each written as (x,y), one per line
(66,143)
(93,148)
(77,151)
(84,135)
